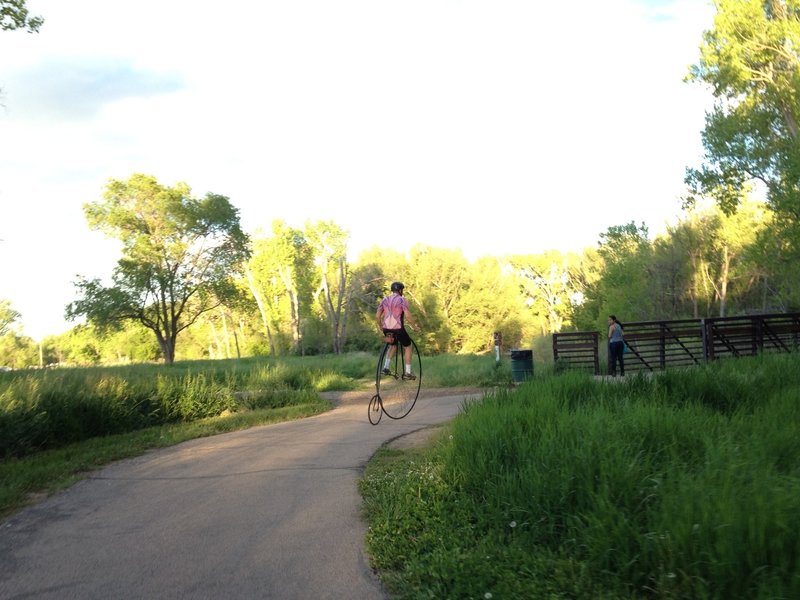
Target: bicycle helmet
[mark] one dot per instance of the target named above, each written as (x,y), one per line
(397,286)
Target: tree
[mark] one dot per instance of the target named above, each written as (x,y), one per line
(8,316)
(724,265)
(624,288)
(179,255)
(18,351)
(488,302)
(689,239)
(279,277)
(14,15)
(779,270)
(371,276)
(334,292)
(550,285)
(751,61)
(435,280)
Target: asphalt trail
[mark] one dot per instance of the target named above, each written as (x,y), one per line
(269,512)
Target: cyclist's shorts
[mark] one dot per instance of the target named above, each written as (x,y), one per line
(400,334)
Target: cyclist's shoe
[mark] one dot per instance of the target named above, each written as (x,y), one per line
(409,376)
(386,372)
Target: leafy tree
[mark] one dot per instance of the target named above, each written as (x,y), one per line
(720,265)
(725,263)
(435,280)
(776,260)
(14,15)
(8,317)
(18,351)
(334,291)
(751,61)
(279,276)
(550,284)
(689,237)
(179,254)
(488,302)
(670,278)
(88,345)
(372,274)
(624,285)
(585,306)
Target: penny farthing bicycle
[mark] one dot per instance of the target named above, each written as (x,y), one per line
(395,394)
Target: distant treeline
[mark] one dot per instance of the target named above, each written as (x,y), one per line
(299,295)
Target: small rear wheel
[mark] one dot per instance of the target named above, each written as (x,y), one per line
(375,410)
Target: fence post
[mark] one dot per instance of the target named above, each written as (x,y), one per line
(596,340)
(758,339)
(555,348)
(704,338)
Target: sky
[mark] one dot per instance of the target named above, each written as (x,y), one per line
(496,127)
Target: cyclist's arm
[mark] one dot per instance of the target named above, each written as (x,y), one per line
(409,319)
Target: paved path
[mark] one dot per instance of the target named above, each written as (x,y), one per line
(270,512)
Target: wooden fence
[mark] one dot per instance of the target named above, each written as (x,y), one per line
(577,350)
(661,344)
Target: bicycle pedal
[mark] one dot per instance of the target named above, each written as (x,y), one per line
(409,377)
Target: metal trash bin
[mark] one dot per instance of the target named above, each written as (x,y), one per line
(521,365)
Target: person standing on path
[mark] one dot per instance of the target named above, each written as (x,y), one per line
(616,346)
(392,315)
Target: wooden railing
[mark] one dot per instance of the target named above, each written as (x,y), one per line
(577,350)
(659,345)
(745,336)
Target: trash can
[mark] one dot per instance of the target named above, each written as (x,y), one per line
(521,365)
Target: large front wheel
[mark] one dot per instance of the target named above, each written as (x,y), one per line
(397,390)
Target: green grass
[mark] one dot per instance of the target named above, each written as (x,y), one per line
(686,485)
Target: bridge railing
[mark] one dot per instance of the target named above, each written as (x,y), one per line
(657,345)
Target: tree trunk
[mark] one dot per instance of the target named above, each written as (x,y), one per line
(166,344)
(215,339)
(262,310)
(723,281)
(167,348)
(236,342)
(334,313)
(288,282)
(225,335)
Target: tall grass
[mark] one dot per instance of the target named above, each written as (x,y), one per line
(46,409)
(686,485)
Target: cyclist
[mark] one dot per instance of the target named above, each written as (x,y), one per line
(393,313)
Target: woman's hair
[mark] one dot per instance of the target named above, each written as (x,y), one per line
(614,318)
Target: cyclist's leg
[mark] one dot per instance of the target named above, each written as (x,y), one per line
(405,341)
(392,347)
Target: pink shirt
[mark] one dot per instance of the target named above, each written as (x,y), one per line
(393,307)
